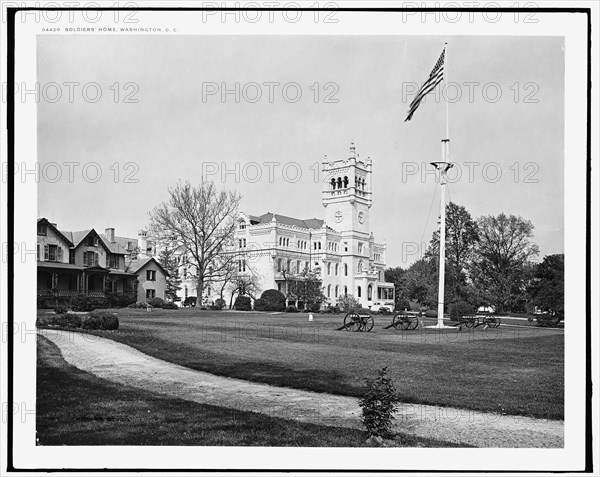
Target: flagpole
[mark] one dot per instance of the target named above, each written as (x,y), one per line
(443,167)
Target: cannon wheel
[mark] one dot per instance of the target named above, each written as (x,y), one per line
(471,321)
(368,324)
(352,322)
(494,322)
(413,323)
(398,321)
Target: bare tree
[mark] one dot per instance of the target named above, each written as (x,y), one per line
(199,223)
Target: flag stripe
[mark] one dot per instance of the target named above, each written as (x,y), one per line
(435,77)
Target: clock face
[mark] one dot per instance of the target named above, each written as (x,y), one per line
(361,217)
(338,216)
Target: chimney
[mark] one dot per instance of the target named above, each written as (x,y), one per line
(110,234)
(142,241)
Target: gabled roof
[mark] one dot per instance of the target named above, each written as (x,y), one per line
(283,219)
(134,266)
(56,231)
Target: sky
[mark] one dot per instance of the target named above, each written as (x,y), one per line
(506,128)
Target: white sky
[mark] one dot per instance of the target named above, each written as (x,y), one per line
(171,132)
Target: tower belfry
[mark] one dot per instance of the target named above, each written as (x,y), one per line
(347,192)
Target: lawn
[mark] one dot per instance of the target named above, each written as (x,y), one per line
(77,408)
(511,370)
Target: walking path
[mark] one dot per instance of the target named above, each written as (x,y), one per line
(125,365)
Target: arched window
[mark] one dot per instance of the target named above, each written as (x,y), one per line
(339,182)
(289,265)
(360,266)
(297,266)
(333,183)
(345,290)
(337,269)
(345,181)
(328,268)
(358,292)
(279,263)
(345,269)
(337,290)
(328,291)
(370,292)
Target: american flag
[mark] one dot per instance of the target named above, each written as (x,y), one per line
(435,78)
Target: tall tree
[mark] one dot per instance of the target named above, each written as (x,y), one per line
(421,282)
(503,252)
(547,289)
(397,276)
(168,259)
(199,223)
(462,234)
(305,286)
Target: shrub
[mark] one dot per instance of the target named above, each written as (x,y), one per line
(291,309)
(170,306)
(274,300)
(43,303)
(100,320)
(65,320)
(220,303)
(82,303)
(315,308)
(215,307)
(459,309)
(60,309)
(139,304)
(260,305)
(431,313)
(157,302)
(402,305)
(242,303)
(347,302)
(190,301)
(379,404)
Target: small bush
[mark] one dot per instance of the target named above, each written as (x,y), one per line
(100,320)
(65,320)
(82,303)
(315,308)
(139,304)
(60,309)
(190,301)
(220,303)
(157,302)
(43,303)
(242,303)
(379,404)
(274,300)
(170,306)
(215,307)
(431,313)
(402,305)
(291,309)
(260,305)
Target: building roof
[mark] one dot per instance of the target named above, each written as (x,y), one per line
(134,266)
(282,219)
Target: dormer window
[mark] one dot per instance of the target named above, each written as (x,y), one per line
(91,241)
(42,228)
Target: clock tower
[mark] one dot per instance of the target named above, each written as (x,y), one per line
(347,193)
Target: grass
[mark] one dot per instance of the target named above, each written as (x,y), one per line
(510,370)
(77,408)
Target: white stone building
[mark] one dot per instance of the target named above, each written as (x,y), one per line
(341,246)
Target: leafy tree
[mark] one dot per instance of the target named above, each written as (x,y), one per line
(397,276)
(547,289)
(168,260)
(199,223)
(305,286)
(421,282)
(244,284)
(503,252)
(347,303)
(462,235)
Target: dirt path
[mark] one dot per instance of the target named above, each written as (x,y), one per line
(122,364)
